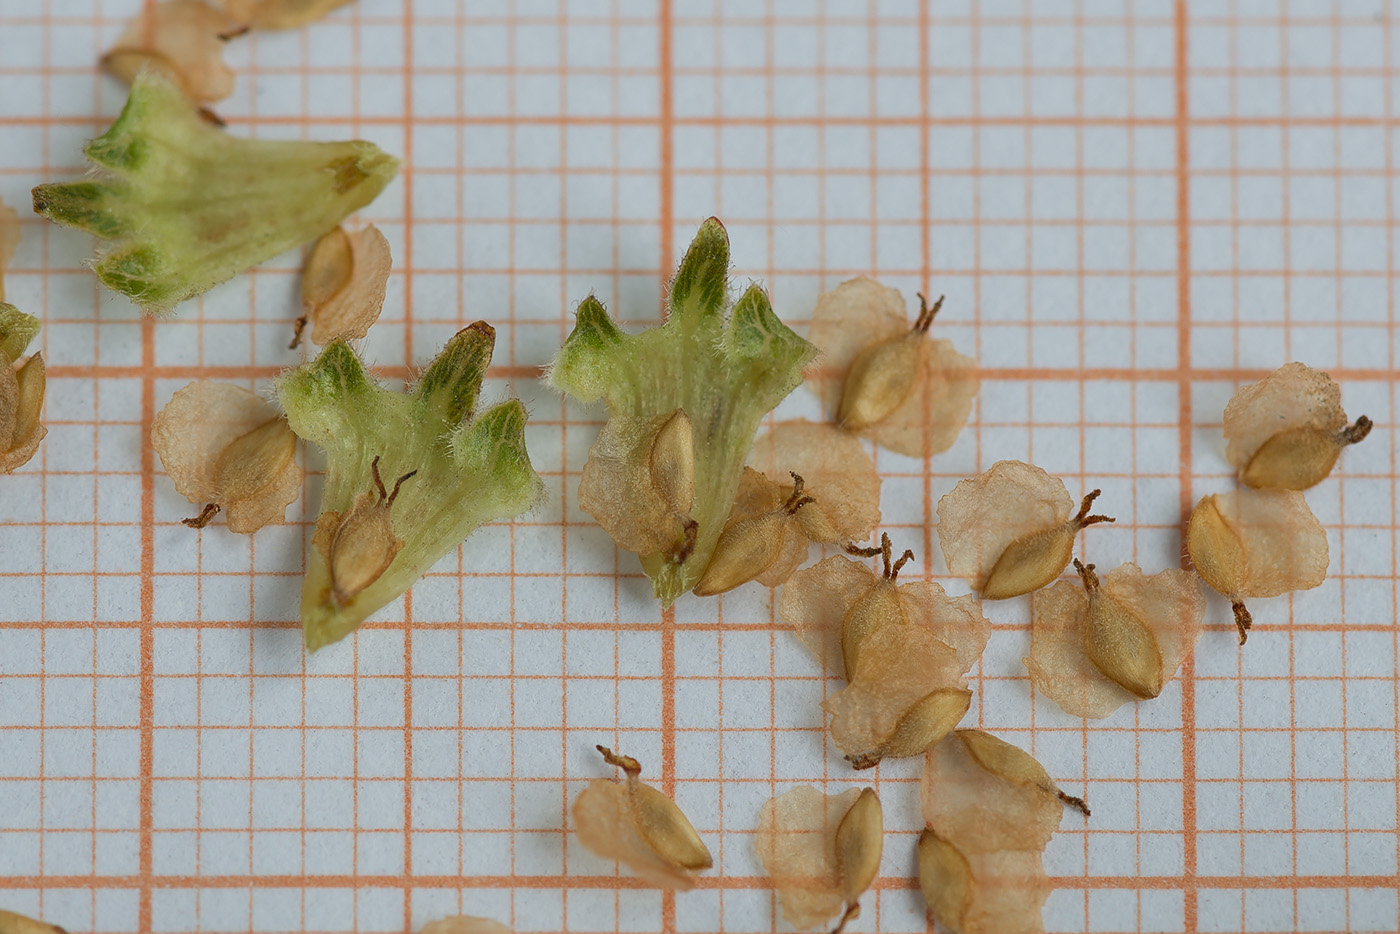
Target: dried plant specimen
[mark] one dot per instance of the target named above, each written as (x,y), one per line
(1009,530)
(725,372)
(11,923)
(9,241)
(1286,431)
(21,390)
(186,206)
(226,448)
(886,380)
(823,851)
(639,827)
(1256,543)
(1098,646)
(184,41)
(343,285)
(991,809)
(903,650)
(461,924)
(280,14)
(408,475)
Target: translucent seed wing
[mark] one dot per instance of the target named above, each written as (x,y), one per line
(930,419)
(982,811)
(464,925)
(1293,396)
(796,842)
(851,317)
(815,601)
(1058,664)
(1285,547)
(985,514)
(603,821)
(194,428)
(182,39)
(617,487)
(835,468)
(348,312)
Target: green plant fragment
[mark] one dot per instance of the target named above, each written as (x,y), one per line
(450,468)
(187,206)
(724,371)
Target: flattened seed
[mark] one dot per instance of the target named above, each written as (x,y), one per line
(1034,560)
(879,380)
(859,842)
(665,828)
(254,460)
(1215,548)
(928,721)
(1118,643)
(363,543)
(945,880)
(745,549)
(672,463)
(1300,457)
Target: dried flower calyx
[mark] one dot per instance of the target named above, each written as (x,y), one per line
(1096,645)
(408,475)
(184,41)
(1286,431)
(903,649)
(280,14)
(833,497)
(991,809)
(1009,530)
(343,285)
(1256,543)
(225,448)
(823,852)
(461,924)
(186,206)
(21,390)
(12,923)
(723,372)
(639,827)
(887,380)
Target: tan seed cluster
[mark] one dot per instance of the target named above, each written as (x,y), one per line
(639,827)
(343,285)
(991,809)
(181,39)
(1286,431)
(903,650)
(1256,543)
(884,379)
(1010,530)
(225,448)
(1096,645)
(822,852)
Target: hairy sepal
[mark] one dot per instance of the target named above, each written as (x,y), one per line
(186,206)
(472,467)
(725,371)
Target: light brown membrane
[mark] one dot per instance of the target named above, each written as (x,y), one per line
(183,40)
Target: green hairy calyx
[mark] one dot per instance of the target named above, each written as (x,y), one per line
(408,475)
(185,206)
(725,372)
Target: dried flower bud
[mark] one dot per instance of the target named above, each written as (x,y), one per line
(225,448)
(823,851)
(885,380)
(725,367)
(464,925)
(467,467)
(21,391)
(636,479)
(982,893)
(1098,646)
(903,649)
(1009,530)
(186,206)
(182,40)
(639,827)
(1286,431)
(280,14)
(11,923)
(1256,543)
(9,241)
(343,285)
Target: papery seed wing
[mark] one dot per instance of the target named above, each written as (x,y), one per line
(348,312)
(1058,664)
(1008,895)
(603,822)
(269,505)
(616,488)
(182,39)
(957,622)
(465,925)
(981,811)
(851,317)
(815,602)
(1293,396)
(796,842)
(931,418)
(835,469)
(1285,547)
(1170,603)
(195,427)
(986,513)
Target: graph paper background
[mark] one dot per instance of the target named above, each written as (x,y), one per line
(1132,207)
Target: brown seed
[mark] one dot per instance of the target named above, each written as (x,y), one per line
(1032,561)
(640,827)
(1256,543)
(619,484)
(360,545)
(21,403)
(1009,530)
(928,721)
(837,471)
(1120,644)
(343,285)
(859,843)
(750,546)
(1167,608)
(244,467)
(945,878)
(886,381)
(876,608)
(672,463)
(1286,431)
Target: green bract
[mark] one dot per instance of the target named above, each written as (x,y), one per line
(725,373)
(451,468)
(187,206)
